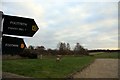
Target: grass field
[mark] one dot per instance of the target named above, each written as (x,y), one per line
(47,67)
(107,55)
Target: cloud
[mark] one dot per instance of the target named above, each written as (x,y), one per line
(25,9)
(100,30)
(94,25)
(53,1)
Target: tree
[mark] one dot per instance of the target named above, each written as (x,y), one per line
(58,45)
(68,46)
(61,48)
(29,53)
(80,49)
(77,47)
(40,49)
(52,52)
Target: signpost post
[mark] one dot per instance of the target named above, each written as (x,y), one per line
(0,43)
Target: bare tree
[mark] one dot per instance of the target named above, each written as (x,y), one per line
(68,46)
(58,45)
(79,49)
(68,49)
(61,48)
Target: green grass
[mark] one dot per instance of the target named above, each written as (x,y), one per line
(47,67)
(108,55)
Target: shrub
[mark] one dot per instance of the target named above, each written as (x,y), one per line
(29,54)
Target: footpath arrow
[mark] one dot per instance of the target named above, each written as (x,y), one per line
(12,44)
(13,25)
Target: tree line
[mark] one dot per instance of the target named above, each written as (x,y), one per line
(62,49)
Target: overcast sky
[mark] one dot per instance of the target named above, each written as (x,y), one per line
(93,24)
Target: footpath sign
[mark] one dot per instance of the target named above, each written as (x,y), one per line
(12,44)
(20,26)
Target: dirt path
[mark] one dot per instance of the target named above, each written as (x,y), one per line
(101,68)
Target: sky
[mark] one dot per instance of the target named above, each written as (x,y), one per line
(93,24)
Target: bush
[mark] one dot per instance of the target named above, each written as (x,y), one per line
(29,54)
